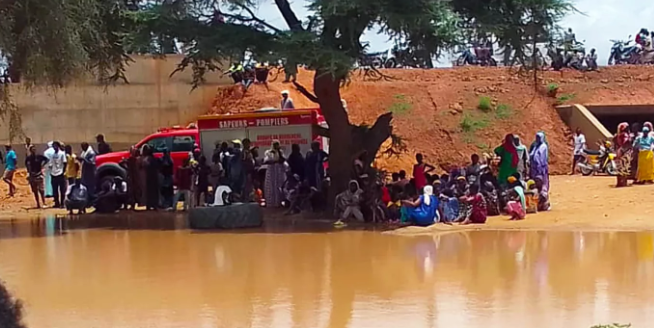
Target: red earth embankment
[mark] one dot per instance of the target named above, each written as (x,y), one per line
(437,111)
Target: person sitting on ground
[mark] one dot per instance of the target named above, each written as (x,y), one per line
(106,201)
(543,196)
(222,195)
(184,179)
(478,209)
(423,211)
(450,206)
(460,189)
(516,205)
(119,187)
(403,181)
(591,60)
(34,164)
(77,197)
(475,166)
(492,199)
(531,197)
(395,177)
(347,204)
(290,190)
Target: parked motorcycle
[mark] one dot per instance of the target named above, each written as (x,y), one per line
(467,57)
(623,53)
(598,161)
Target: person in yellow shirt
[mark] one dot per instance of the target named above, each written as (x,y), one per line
(72,166)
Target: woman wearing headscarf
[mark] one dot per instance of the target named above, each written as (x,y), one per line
(645,143)
(166,171)
(516,206)
(509,159)
(87,158)
(424,210)
(539,159)
(275,174)
(635,132)
(48,153)
(523,157)
(623,144)
(348,203)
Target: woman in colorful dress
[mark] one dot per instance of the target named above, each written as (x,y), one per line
(645,143)
(509,159)
(275,175)
(623,143)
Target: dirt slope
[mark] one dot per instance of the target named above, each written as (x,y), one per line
(437,110)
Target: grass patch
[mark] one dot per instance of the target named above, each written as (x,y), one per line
(552,89)
(469,138)
(614,325)
(485,104)
(470,123)
(400,106)
(503,112)
(565,97)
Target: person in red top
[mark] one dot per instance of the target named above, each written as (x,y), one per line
(184,178)
(623,145)
(420,171)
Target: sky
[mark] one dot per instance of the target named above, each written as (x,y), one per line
(599,21)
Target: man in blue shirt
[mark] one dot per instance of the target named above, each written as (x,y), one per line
(10,168)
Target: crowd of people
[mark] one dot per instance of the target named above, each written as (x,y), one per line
(58,173)
(635,159)
(514,181)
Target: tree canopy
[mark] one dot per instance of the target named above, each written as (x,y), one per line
(52,41)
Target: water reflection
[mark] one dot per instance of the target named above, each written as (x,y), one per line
(137,278)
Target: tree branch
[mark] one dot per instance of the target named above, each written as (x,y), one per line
(289,15)
(305,92)
(252,18)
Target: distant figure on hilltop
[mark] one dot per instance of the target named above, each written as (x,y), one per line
(287,102)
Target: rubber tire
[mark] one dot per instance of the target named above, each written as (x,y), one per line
(586,171)
(611,169)
(391,63)
(377,63)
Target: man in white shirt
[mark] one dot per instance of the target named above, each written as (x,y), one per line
(287,102)
(580,146)
(57,166)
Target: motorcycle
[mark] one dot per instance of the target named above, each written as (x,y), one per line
(483,58)
(598,161)
(623,53)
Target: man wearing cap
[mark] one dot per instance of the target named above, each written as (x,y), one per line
(287,103)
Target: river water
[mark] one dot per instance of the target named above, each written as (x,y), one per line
(154,273)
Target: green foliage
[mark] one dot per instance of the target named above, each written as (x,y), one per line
(565,97)
(552,87)
(614,325)
(471,123)
(503,112)
(485,104)
(400,105)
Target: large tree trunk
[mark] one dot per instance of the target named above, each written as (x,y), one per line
(346,140)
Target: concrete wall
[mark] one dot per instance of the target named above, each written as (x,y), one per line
(578,116)
(125,113)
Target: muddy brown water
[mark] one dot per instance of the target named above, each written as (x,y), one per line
(109,272)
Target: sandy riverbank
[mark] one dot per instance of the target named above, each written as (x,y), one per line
(578,203)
